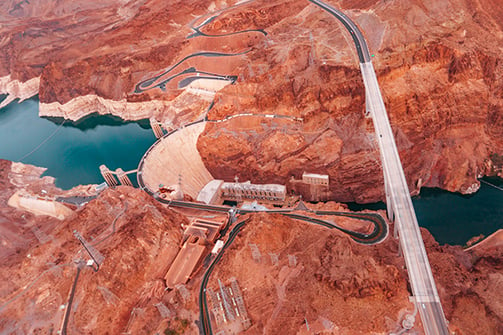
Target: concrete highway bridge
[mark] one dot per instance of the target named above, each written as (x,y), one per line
(398,201)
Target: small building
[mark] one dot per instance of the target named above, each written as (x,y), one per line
(312,186)
(315,179)
(218,246)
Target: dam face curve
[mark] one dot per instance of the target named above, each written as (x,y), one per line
(174,159)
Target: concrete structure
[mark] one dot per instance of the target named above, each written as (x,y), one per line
(203,229)
(195,238)
(123,178)
(207,87)
(312,186)
(315,179)
(400,208)
(175,156)
(108,176)
(271,193)
(39,205)
(210,193)
(398,201)
(217,191)
(185,262)
(156,128)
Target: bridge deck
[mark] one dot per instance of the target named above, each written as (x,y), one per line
(397,191)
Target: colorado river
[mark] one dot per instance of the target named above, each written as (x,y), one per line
(74,151)
(454,218)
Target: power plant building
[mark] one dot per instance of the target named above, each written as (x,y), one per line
(247,191)
(217,191)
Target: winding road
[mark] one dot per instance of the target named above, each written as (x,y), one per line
(398,198)
(379,233)
(162,79)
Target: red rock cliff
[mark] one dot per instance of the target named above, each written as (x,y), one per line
(439,67)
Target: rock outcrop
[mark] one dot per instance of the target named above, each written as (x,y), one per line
(138,239)
(439,67)
(17,90)
(338,280)
(439,77)
(303,272)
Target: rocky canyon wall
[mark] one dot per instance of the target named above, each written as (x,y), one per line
(334,282)
(439,67)
(440,71)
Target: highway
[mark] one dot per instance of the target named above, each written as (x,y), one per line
(398,198)
(378,234)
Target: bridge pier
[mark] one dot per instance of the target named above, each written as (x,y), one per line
(389,205)
(123,178)
(108,176)
(156,128)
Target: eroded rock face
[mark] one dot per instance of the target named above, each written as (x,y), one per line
(440,77)
(355,275)
(439,67)
(341,281)
(138,238)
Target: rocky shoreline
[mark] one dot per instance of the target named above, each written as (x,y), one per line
(82,106)
(14,89)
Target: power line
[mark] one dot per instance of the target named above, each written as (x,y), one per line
(44,141)
(488,183)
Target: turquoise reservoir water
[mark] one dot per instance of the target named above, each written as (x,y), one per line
(72,152)
(75,151)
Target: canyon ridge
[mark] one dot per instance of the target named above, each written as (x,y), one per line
(290,99)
